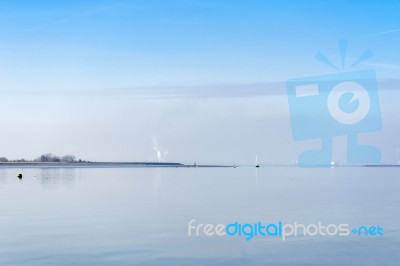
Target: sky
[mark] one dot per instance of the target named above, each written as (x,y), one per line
(180,80)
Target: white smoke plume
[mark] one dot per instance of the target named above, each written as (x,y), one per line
(159,154)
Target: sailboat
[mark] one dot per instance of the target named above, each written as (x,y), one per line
(257,165)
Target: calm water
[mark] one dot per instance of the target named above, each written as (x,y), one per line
(139,216)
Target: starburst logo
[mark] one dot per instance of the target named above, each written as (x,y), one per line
(339,104)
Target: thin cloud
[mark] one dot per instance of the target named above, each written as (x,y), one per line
(383,65)
(81,15)
(382,33)
(188,91)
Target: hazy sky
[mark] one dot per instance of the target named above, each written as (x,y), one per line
(197,80)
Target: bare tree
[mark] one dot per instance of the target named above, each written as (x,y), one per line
(48,157)
(68,159)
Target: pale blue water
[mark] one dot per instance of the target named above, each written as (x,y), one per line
(139,216)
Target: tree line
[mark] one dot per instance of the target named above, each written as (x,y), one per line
(48,157)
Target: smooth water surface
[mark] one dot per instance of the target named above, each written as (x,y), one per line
(139,216)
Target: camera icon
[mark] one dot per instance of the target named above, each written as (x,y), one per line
(342,104)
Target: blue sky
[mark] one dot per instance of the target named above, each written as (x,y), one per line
(58,55)
(112,44)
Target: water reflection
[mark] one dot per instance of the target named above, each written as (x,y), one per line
(55,176)
(45,175)
(139,216)
(156,183)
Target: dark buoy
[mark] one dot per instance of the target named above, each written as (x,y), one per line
(19,176)
(257,166)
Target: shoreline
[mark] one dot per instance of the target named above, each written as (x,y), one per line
(104,165)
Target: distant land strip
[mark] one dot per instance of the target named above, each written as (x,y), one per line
(105,164)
